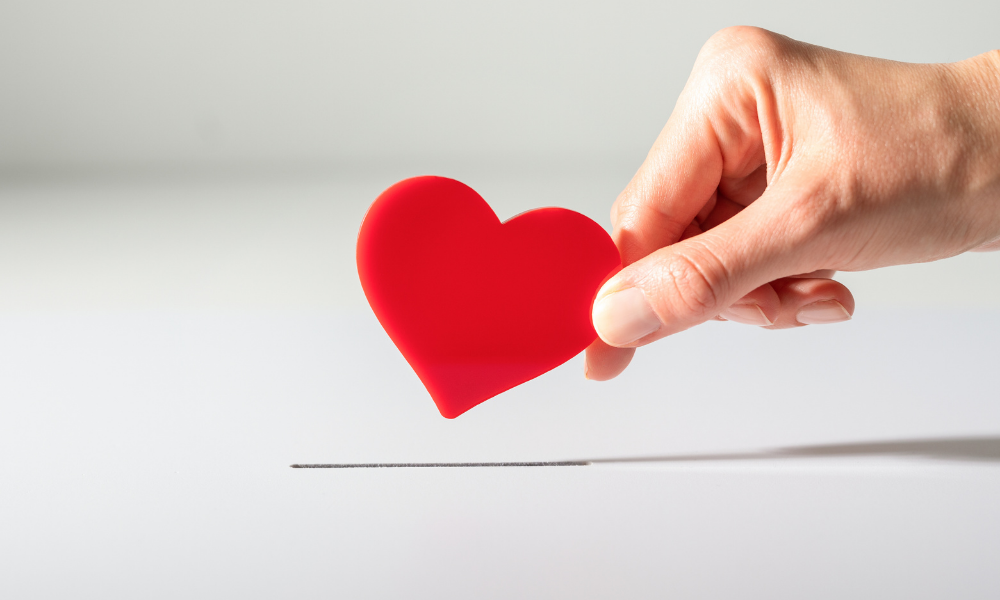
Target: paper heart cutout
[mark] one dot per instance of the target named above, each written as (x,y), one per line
(477,306)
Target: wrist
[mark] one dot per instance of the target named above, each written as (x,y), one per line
(983,81)
(979,85)
(975,112)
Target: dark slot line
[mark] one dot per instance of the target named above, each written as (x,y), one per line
(554,463)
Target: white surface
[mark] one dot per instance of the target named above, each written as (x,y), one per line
(168,349)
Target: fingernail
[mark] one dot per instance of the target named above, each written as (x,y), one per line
(748,313)
(823,312)
(623,317)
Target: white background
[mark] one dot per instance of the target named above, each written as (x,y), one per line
(180,320)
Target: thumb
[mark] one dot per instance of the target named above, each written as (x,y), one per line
(690,282)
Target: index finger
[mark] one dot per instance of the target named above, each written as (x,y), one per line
(713,138)
(677,180)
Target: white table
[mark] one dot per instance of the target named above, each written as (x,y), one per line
(168,349)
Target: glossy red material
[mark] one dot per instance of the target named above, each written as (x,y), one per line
(475,305)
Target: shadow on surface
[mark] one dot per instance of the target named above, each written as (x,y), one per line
(970,449)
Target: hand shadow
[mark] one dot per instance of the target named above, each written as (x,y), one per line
(961,449)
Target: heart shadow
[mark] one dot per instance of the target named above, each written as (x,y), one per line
(958,449)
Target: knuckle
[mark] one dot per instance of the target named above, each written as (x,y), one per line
(625,217)
(744,45)
(808,208)
(691,282)
(734,59)
(624,205)
(634,210)
(816,217)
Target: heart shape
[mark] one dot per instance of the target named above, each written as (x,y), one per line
(477,306)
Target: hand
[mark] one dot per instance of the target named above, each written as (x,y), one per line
(783,162)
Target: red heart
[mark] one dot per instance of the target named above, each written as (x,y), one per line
(477,306)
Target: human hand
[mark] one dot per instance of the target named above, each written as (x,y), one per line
(783,162)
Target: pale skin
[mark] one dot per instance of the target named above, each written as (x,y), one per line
(784,162)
